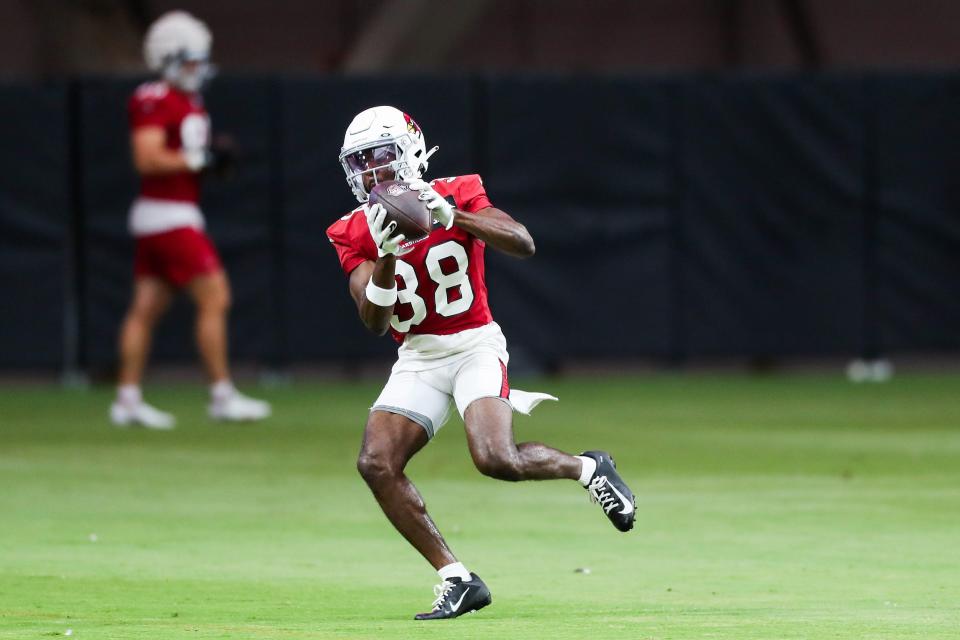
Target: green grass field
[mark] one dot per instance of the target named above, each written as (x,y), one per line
(778,507)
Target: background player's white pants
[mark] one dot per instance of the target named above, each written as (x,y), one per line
(431,370)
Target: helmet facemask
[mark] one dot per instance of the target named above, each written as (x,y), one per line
(188,73)
(368,165)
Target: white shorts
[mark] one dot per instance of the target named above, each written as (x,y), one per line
(433,370)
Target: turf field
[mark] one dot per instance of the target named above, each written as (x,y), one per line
(777,507)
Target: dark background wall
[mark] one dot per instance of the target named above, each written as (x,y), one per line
(676,217)
(35,224)
(748,178)
(48,37)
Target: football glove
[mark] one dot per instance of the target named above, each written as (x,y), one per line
(220,158)
(381,233)
(441,209)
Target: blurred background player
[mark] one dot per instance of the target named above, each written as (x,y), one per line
(170,140)
(450,347)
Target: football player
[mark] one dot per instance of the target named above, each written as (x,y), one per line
(170,140)
(431,295)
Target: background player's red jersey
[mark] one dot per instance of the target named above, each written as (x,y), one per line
(187,124)
(441,287)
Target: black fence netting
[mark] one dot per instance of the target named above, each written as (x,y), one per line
(674,217)
(589,167)
(35,219)
(772,216)
(917,226)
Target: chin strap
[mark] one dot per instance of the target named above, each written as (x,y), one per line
(430,153)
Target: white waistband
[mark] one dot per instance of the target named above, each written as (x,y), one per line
(427,351)
(150,215)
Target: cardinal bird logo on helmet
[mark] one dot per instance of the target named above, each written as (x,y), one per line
(412,126)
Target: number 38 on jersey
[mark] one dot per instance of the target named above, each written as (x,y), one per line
(440,282)
(453,294)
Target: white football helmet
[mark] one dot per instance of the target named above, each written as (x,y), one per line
(173,40)
(385,143)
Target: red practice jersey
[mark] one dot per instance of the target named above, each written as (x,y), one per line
(183,117)
(440,283)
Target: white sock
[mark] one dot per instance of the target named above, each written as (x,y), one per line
(587,470)
(129,395)
(454,570)
(221,390)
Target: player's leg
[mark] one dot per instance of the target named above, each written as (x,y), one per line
(211,296)
(390,440)
(482,391)
(151,298)
(405,416)
(495,452)
(210,293)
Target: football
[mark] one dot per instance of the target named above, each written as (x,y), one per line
(404,207)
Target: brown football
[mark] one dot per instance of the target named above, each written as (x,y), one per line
(404,207)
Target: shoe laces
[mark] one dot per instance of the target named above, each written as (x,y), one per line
(601,495)
(441,590)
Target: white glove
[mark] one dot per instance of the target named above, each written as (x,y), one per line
(197,159)
(441,209)
(386,245)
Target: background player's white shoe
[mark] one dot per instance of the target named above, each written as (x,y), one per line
(237,407)
(141,414)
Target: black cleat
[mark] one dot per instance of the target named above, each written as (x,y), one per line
(455,598)
(609,490)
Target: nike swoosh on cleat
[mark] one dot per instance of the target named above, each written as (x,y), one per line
(627,505)
(454,607)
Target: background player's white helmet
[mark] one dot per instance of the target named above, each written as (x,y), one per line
(174,39)
(379,137)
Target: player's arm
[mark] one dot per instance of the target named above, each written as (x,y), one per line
(375,317)
(498,229)
(151,157)
(373,284)
(494,226)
